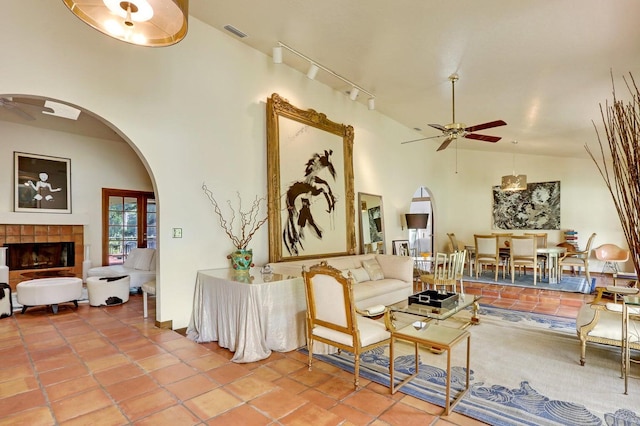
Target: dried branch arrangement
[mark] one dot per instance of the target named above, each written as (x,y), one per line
(249,221)
(621,174)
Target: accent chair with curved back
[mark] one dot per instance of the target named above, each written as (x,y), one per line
(523,253)
(611,255)
(332,317)
(487,253)
(578,258)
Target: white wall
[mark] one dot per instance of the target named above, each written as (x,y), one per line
(95,164)
(195,112)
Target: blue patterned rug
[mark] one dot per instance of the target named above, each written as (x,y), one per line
(525,370)
(572,284)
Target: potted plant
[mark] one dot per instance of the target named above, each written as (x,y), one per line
(249,221)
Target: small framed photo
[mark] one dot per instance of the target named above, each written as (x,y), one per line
(41,183)
(401,248)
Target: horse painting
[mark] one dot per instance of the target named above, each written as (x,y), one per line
(301,195)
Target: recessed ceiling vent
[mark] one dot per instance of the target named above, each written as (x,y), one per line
(233,30)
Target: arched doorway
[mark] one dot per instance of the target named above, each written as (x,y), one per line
(422,240)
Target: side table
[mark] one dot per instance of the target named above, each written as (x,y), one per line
(439,338)
(630,309)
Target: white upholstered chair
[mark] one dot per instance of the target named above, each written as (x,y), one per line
(332,317)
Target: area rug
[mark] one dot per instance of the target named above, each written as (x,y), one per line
(525,370)
(577,284)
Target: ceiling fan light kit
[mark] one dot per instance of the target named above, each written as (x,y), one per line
(313,71)
(153,23)
(455,129)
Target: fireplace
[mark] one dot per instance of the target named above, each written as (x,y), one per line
(21,256)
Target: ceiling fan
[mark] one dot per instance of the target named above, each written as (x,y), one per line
(455,129)
(16,108)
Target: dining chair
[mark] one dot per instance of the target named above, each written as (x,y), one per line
(541,241)
(578,258)
(523,252)
(332,317)
(458,246)
(447,272)
(487,253)
(503,246)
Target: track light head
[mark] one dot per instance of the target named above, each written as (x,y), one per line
(354,93)
(371,103)
(313,71)
(277,55)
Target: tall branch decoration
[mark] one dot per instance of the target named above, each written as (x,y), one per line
(622,174)
(249,222)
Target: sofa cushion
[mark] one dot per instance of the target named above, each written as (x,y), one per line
(371,289)
(144,258)
(373,269)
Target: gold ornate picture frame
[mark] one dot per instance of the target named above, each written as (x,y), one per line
(310,184)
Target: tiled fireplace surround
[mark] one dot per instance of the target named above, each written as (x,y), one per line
(44,234)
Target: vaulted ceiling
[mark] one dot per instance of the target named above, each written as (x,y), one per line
(544,67)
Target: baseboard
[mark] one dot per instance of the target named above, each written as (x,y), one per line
(164,324)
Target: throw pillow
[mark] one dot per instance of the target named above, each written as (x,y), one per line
(373,269)
(359,275)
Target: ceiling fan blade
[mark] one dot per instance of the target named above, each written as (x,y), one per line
(14,108)
(483,138)
(422,139)
(483,126)
(439,127)
(445,144)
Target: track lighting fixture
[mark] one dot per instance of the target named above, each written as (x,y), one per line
(313,71)
(277,55)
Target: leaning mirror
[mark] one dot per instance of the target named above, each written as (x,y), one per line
(310,179)
(371,223)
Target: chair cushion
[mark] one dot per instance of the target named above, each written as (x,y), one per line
(373,269)
(371,332)
(144,258)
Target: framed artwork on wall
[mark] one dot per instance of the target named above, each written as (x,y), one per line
(310,178)
(401,248)
(41,183)
(537,207)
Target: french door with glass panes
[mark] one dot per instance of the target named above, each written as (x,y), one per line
(128,221)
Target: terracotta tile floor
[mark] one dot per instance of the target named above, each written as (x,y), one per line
(109,366)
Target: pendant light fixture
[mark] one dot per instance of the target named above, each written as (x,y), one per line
(154,23)
(514,182)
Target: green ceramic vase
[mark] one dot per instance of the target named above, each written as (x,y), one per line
(241,260)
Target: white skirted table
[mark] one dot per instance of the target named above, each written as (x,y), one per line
(250,315)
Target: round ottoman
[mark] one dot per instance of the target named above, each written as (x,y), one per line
(107,291)
(49,291)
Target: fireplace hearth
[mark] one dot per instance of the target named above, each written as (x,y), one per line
(21,256)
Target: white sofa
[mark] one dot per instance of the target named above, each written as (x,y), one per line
(396,284)
(140,266)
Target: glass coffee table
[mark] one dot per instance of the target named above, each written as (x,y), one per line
(440,313)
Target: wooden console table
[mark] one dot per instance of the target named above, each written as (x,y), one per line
(250,314)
